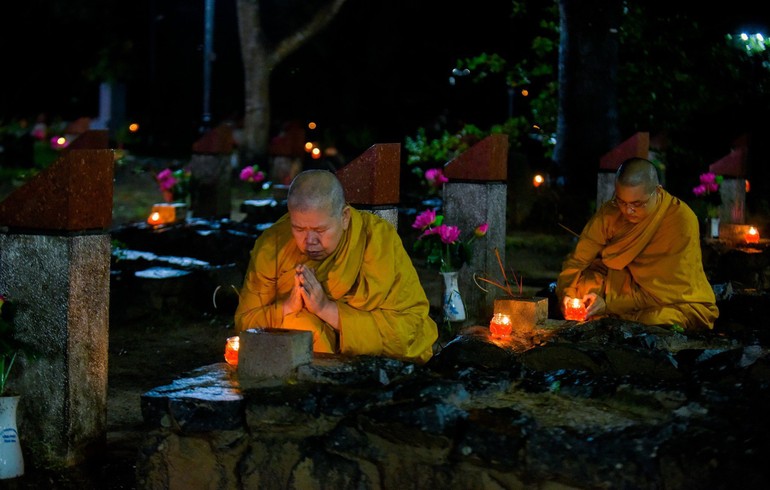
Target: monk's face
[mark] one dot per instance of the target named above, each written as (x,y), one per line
(635,202)
(317,232)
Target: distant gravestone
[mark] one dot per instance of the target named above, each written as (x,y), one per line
(210,187)
(637,145)
(733,189)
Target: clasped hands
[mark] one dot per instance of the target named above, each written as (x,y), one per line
(308,293)
(594,304)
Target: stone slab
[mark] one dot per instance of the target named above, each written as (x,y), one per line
(374,178)
(485,161)
(273,353)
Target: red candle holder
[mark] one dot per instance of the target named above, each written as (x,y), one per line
(231,350)
(751,236)
(501,325)
(575,310)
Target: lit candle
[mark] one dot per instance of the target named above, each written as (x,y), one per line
(501,325)
(231,350)
(752,236)
(154,218)
(575,310)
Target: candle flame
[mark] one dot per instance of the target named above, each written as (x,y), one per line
(154,218)
(753,231)
(575,303)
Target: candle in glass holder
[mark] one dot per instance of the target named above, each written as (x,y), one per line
(501,325)
(231,350)
(575,310)
(752,236)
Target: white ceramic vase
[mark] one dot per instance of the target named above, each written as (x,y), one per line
(11,459)
(453,306)
(714,223)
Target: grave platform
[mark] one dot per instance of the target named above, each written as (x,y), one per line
(600,404)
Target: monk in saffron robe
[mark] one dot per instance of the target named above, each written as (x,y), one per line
(639,257)
(338,272)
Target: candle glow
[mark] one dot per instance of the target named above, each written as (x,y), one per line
(575,310)
(501,325)
(752,236)
(231,350)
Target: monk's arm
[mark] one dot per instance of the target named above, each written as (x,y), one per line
(588,249)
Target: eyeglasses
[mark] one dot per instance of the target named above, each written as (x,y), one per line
(631,206)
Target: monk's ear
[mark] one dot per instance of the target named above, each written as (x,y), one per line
(345,217)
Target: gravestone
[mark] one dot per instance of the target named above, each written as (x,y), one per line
(210,189)
(55,264)
(637,145)
(372,181)
(476,194)
(733,188)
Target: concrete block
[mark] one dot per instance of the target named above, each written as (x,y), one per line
(525,313)
(273,353)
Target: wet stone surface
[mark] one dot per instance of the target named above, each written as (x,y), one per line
(601,404)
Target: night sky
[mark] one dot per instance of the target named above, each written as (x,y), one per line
(381,68)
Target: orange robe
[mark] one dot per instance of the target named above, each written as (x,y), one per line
(382,306)
(650,272)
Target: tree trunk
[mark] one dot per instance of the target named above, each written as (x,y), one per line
(258,63)
(587,125)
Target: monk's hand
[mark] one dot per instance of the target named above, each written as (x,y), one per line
(295,302)
(595,304)
(315,299)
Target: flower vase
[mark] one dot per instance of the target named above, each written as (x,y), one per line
(452,304)
(714,227)
(11,459)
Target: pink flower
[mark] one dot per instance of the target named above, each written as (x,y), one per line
(448,234)
(424,219)
(252,174)
(481,230)
(708,178)
(699,190)
(166,180)
(435,177)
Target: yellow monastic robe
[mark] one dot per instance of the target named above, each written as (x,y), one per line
(382,306)
(650,272)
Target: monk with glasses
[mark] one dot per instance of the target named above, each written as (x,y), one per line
(639,257)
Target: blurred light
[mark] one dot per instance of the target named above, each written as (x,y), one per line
(133,127)
(311,125)
(538,180)
(525,92)
(308,147)
(536,127)
(59,142)
(748,185)
(316,153)
(461,73)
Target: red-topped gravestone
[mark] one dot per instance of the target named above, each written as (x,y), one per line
(55,255)
(637,145)
(486,161)
(476,193)
(733,188)
(210,190)
(72,194)
(374,178)
(372,181)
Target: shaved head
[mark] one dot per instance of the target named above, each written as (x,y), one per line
(637,171)
(317,190)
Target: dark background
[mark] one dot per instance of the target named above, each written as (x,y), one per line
(378,72)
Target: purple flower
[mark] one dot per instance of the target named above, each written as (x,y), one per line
(252,174)
(435,177)
(481,230)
